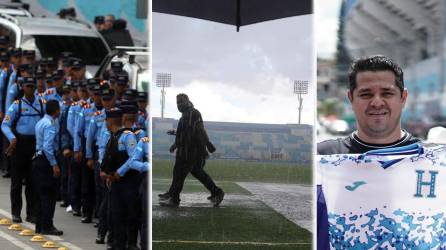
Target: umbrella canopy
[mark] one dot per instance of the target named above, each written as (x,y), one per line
(234,12)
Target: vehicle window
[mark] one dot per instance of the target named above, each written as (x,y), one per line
(4,30)
(90,49)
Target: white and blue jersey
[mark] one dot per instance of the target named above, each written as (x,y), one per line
(385,199)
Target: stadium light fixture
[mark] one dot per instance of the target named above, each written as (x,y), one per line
(300,88)
(163,80)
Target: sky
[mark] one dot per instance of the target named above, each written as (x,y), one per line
(231,76)
(326,26)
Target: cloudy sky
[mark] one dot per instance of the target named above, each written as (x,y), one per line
(326,26)
(234,76)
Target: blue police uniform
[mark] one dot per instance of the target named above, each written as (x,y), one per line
(92,141)
(87,180)
(13,93)
(65,142)
(142,117)
(53,94)
(3,88)
(44,181)
(139,162)
(124,193)
(19,123)
(74,179)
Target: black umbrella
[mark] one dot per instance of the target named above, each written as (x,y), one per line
(235,12)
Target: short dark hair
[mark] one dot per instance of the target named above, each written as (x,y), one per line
(375,63)
(52,106)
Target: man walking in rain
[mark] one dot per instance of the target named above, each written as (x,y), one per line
(192,145)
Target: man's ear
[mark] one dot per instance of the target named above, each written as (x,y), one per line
(350,96)
(404,95)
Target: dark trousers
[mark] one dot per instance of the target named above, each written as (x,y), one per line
(99,187)
(20,171)
(64,177)
(104,215)
(144,220)
(196,168)
(74,183)
(45,185)
(88,188)
(123,200)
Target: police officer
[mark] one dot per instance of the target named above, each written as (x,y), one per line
(142,100)
(65,145)
(14,90)
(87,190)
(56,92)
(139,162)
(122,80)
(45,169)
(102,194)
(39,74)
(4,59)
(130,117)
(19,127)
(77,69)
(28,57)
(123,192)
(73,116)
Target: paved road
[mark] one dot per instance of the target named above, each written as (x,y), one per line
(76,235)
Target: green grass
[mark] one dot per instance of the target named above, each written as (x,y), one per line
(234,170)
(194,186)
(247,221)
(177,246)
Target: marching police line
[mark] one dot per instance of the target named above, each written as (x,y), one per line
(81,141)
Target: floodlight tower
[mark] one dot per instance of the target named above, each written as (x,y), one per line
(300,88)
(163,80)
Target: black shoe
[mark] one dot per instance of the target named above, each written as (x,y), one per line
(218,198)
(76,213)
(63,204)
(86,219)
(7,175)
(166,195)
(96,225)
(16,219)
(100,239)
(169,203)
(109,246)
(52,231)
(30,219)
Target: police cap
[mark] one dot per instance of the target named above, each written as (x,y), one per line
(57,75)
(29,53)
(29,81)
(4,40)
(4,56)
(15,52)
(113,113)
(130,94)
(142,97)
(107,94)
(77,64)
(39,74)
(116,66)
(122,79)
(92,82)
(129,109)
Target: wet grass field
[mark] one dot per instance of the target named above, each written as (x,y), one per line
(241,222)
(235,170)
